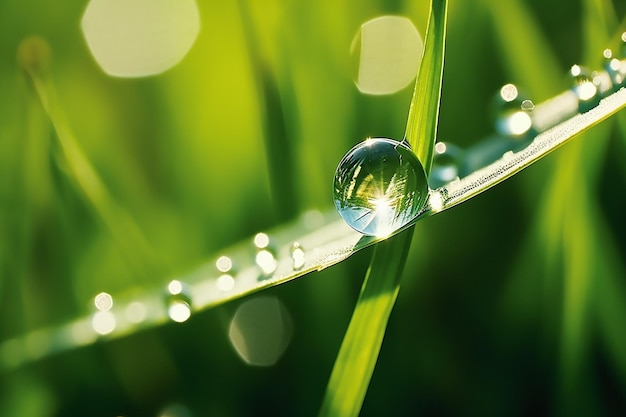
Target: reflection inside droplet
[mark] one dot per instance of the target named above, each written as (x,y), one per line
(260,331)
(379,186)
(266,261)
(261,240)
(388,50)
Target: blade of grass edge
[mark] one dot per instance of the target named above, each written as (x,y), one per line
(359,350)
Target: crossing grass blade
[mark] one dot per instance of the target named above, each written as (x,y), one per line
(362,342)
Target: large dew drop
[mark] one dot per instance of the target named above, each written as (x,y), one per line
(379,186)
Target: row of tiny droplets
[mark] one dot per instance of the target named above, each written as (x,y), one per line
(518,119)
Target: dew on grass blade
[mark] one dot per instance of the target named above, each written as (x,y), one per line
(178,302)
(584,88)
(513,117)
(297,256)
(615,69)
(260,331)
(265,257)
(388,50)
(103,301)
(447,160)
(379,186)
(225,282)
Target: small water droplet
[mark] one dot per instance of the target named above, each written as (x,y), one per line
(379,186)
(225,282)
(224,264)
(265,258)
(507,156)
(584,88)
(103,301)
(447,160)
(615,70)
(512,114)
(297,256)
(178,301)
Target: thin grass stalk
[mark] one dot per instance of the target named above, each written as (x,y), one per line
(359,351)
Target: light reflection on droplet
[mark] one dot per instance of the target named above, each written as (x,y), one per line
(435,200)
(261,240)
(103,322)
(508,92)
(446,167)
(178,302)
(224,264)
(388,50)
(136,312)
(297,256)
(260,331)
(584,88)
(266,261)
(139,38)
(513,116)
(179,311)
(103,301)
(225,282)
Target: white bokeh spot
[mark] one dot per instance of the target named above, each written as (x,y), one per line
(389,54)
(139,38)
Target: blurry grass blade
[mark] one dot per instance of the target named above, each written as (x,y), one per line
(528,55)
(421,127)
(279,151)
(88,183)
(361,345)
(359,351)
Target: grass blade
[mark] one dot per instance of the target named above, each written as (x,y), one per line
(361,345)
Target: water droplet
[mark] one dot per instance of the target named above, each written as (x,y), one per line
(297,256)
(224,264)
(379,186)
(615,70)
(584,88)
(447,160)
(265,258)
(178,301)
(103,301)
(513,109)
(225,282)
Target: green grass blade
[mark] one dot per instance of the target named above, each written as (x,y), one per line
(421,127)
(361,345)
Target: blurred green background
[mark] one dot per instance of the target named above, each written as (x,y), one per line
(513,303)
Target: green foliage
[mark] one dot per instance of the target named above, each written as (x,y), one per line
(511,303)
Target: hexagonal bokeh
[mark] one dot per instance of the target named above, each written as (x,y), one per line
(388,50)
(139,38)
(260,331)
